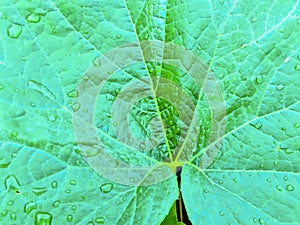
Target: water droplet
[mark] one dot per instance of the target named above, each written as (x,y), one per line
(52,117)
(72,182)
(296,125)
(90,223)
(258,125)
(99,220)
(221,1)
(97,62)
(11,183)
(68,191)
(4,213)
(14,30)
(10,202)
(106,188)
(269,180)
(206,190)
(281,29)
(55,204)
(279,87)
(253,19)
(24,58)
(85,32)
(75,107)
(53,28)
(29,206)
(54,184)
(43,218)
(290,187)
(285,178)
(142,146)
(220,182)
(286,60)
(288,151)
(72,94)
(278,187)
(14,134)
(221,213)
(259,79)
(1,86)
(39,190)
(234,180)
(118,36)
(261,221)
(13,216)
(69,218)
(33,18)
(297,67)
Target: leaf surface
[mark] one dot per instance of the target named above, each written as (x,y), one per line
(102,100)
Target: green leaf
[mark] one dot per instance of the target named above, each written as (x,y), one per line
(171,218)
(102,100)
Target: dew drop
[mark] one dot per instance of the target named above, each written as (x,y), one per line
(279,87)
(285,178)
(43,218)
(221,213)
(297,67)
(281,30)
(33,18)
(69,218)
(68,191)
(52,117)
(258,125)
(296,125)
(286,60)
(14,30)
(206,190)
(11,183)
(90,223)
(142,146)
(269,180)
(13,216)
(14,134)
(97,62)
(253,19)
(72,94)
(1,86)
(261,221)
(288,151)
(72,182)
(106,188)
(29,206)
(55,204)
(54,184)
(118,36)
(10,203)
(221,1)
(99,220)
(4,213)
(259,79)
(290,187)
(75,107)
(278,188)
(39,190)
